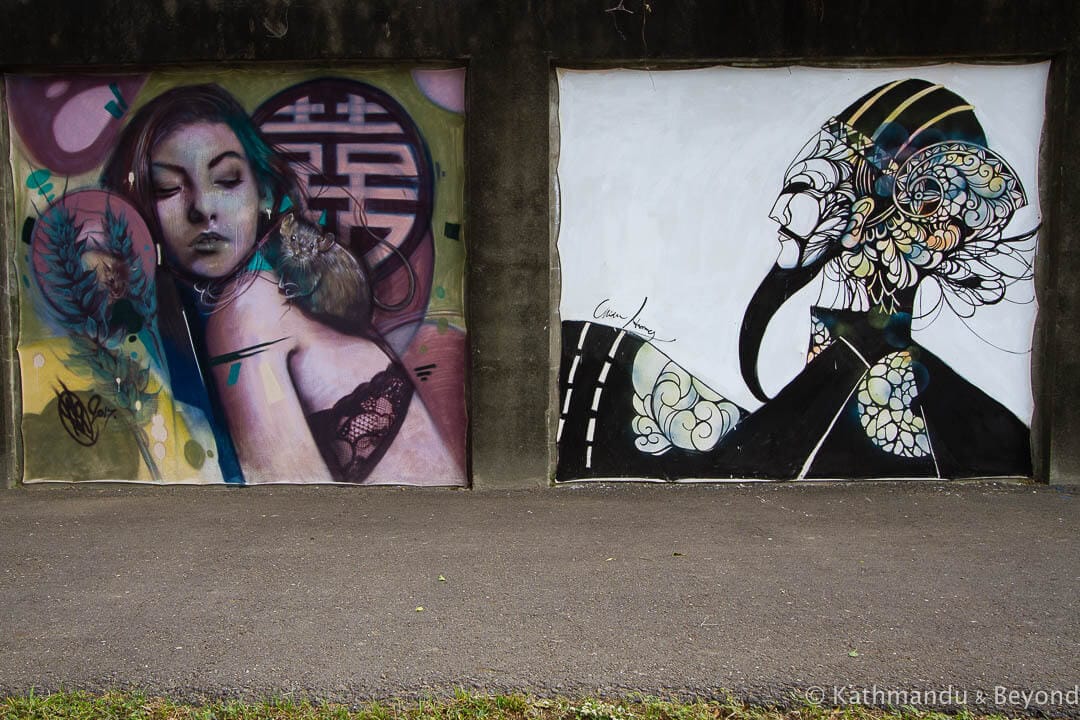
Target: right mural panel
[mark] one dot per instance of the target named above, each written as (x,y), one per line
(797,273)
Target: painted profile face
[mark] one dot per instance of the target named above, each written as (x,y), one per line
(814,206)
(207,199)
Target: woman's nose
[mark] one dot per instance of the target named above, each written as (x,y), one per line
(199,209)
(779,211)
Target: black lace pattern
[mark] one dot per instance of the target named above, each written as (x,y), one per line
(356,432)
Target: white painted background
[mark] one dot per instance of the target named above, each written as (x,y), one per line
(665,183)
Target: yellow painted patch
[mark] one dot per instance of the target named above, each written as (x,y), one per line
(271,387)
(167,430)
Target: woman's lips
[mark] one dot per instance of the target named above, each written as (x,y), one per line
(209,243)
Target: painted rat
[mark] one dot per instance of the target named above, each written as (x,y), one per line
(320,276)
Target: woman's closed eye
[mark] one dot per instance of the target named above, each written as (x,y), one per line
(166,190)
(167,182)
(229,181)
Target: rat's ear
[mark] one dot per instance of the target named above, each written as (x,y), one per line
(288,224)
(327,241)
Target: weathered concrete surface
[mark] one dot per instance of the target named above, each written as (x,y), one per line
(757,589)
(510,48)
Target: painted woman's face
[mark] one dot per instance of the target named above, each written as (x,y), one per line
(206,197)
(814,206)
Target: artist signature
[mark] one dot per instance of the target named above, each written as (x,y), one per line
(605,311)
(81,420)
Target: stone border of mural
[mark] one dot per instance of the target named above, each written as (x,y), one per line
(10,398)
(510,58)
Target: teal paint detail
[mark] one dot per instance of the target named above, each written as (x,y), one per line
(286,203)
(258,263)
(322,219)
(39,179)
(234,374)
(150,342)
(119,106)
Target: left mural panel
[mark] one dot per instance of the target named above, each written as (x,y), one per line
(241,276)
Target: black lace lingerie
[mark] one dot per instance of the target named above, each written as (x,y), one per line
(354,434)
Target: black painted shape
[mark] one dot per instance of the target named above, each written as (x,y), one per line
(329,98)
(613,451)
(391,181)
(775,288)
(812,427)
(332,206)
(776,441)
(375,158)
(122,315)
(424,371)
(362,239)
(28,230)
(973,435)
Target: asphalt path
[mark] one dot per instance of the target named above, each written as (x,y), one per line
(940,593)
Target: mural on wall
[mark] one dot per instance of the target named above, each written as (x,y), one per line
(845,338)
(241,277)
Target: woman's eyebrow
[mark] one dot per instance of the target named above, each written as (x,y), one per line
(168,166)
(225,155)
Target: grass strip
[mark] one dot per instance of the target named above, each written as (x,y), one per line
(462,705)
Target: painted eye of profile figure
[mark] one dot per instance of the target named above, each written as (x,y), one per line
(307,396)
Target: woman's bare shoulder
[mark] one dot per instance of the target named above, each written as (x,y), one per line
(260,313)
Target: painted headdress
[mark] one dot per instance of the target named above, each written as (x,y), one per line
(889,124)
(934,199)
(931,202)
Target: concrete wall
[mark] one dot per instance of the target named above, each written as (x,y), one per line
(511,48)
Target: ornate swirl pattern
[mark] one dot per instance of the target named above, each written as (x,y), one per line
(680,412)
(885,397)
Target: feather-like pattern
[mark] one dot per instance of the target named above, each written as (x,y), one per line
(80,303)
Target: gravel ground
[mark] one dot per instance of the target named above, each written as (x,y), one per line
(967,591)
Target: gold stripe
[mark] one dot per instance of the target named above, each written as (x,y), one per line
(904,106)
(866,105)
(929,123)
